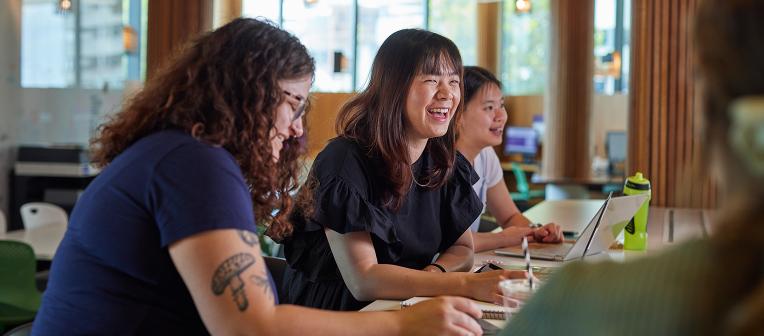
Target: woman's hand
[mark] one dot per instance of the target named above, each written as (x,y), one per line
(441,316)
(549,233)
(513,235)
(485,286)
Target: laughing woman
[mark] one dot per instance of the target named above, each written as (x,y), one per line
(391,193)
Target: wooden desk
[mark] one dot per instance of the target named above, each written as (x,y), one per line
(44,240)
(526,167)
(666,226)
(594,180)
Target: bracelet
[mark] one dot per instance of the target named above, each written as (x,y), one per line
(441,268)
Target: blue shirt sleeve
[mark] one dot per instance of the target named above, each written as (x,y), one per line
(196,188)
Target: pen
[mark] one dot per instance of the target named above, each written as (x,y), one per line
(529,270)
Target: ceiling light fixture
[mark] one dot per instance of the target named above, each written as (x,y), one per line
(64,6)
(523,6)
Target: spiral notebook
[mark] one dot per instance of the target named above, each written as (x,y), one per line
(490,311)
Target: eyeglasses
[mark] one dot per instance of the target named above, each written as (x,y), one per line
(299,109)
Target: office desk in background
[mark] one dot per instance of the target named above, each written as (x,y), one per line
(594,180)
(57,183)
(525,166)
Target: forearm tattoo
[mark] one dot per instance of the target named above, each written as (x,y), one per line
(249,238)
(228,274)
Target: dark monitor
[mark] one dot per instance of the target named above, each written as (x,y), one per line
(521,140)
(615,146)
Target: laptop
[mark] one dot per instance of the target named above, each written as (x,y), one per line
(596,237)
(571,215)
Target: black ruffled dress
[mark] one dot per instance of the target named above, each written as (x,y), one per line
(348,199)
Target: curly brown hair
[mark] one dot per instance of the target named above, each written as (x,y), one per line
(223,89)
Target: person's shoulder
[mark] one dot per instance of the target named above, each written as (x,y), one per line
(461,160)
(341,156)
(490,166)
(341,147)
(682,259)
(488,154)
(681,270)
(463,170)
(194,152)
(672,280)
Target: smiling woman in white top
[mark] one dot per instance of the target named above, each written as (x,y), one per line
(482,128)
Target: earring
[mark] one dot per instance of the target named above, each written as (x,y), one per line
(747,131)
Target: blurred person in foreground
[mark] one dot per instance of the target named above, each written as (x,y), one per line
(704,287)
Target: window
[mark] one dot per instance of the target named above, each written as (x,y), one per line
(344,45)
(611,46)
(524,48)
(84,47)
(377,19)
(456,19)
(323,27)
(269,9)
(47,46)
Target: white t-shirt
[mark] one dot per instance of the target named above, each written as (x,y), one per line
(488,168)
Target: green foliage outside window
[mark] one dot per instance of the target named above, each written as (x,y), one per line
(524,49)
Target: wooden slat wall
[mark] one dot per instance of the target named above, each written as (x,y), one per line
(567,151)
(664,143)
(170,24)
(225,11)
(488,37)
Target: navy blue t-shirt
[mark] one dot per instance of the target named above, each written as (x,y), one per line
(112,273)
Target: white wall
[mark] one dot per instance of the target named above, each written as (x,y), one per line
(609,113)
(63,116)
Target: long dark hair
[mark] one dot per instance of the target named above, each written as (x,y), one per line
(375,118)
(223,89)
(474,79)
(729,35)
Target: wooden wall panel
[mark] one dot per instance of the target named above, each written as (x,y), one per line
(664,142)
(170,24)
(567,152)
(225,11)
(322,116)
(488,35)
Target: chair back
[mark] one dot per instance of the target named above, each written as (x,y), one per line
(17,283)
(37,214)
(522,182)
(277,266)
(22,330)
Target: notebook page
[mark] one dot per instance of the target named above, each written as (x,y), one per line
(490,311)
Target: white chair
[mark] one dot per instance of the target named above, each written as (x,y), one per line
(3,225)
(37,214)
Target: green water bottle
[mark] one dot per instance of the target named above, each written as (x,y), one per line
(635,235)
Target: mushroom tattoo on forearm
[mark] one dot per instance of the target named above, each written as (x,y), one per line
(228,274)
